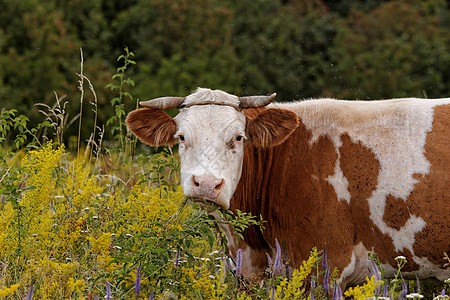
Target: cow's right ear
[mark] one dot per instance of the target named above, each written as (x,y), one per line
(152,126)
(271,127)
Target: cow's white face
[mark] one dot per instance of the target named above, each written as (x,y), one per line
(211,129)
(211,139)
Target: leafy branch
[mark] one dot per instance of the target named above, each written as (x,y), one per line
(117,121)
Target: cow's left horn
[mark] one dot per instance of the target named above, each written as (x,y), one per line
(256,101)
(164,102)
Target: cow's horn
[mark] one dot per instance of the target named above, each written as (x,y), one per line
(164,102)
(256,101)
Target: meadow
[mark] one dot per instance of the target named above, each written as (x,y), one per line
(109,220)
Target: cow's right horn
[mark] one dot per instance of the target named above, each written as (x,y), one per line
(164,102)
(256,101)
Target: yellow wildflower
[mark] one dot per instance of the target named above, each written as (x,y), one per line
(9,291)
(365,291)
(295,287)
(76,285)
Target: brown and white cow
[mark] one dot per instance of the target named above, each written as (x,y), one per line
(356,176)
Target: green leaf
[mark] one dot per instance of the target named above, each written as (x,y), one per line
(115,100)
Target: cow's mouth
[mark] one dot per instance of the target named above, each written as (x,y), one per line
(205,204)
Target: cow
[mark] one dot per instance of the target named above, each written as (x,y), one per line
(356,176)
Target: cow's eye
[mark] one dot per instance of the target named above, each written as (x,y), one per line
(236,140)
(180,136)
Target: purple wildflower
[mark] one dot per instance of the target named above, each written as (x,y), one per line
(313,289)
(228,264)
(239,262)
(273,294)
(443,293)
(324,259)
(385,290)
(269,260)
(224,270)
(419,289)
(177,258)
(95,297)
(326,278)
(277,264)
(30,292)
(375,271)
(137,283)
(337,292)
(108,291)
(326,269)
(404,289)
(151,295)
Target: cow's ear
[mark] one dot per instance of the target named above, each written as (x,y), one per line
(152,126)
(271,127)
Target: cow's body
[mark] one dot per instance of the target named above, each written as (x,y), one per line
(352,175)
(358,177)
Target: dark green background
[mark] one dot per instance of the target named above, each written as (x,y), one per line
(299,49)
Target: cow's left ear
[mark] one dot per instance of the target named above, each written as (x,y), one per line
(271,127)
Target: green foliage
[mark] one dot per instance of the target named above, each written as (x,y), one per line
(283,48)
(396,50)
(117,121)
(9,123)
(165,168)
(240,221)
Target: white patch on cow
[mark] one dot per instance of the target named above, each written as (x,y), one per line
(404,238)
(358,268)
(339,182)
(348,270)
(247,263)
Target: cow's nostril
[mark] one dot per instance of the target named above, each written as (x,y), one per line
(196,183)
(219,184)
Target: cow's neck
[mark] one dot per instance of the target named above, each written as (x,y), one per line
(284,184)
(247,198)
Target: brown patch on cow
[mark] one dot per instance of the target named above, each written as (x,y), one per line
(430,198)
(152,126)
(271,127)
(396,212)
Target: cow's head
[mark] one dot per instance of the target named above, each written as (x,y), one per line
(211,129)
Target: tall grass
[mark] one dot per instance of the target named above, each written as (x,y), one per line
(104,223)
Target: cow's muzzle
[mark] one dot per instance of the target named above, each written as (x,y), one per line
(206,190)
